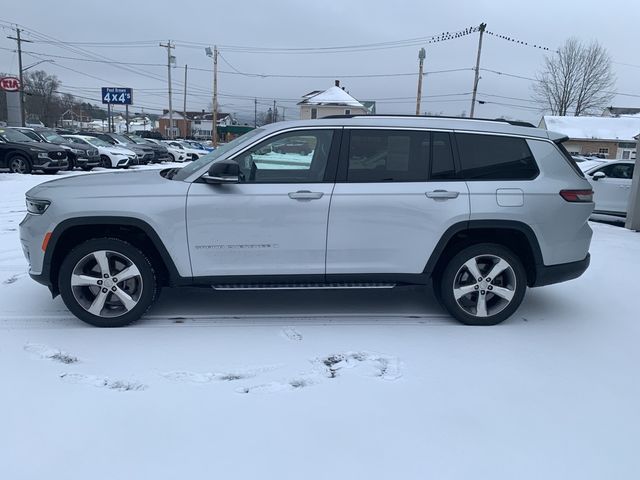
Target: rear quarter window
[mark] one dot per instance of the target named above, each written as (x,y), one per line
(495,157)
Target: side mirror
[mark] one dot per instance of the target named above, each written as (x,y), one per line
(598,175)
(225,171)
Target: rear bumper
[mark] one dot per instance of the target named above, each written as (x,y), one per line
(550,274)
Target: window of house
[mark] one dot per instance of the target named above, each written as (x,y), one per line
(495,157)
(314,113)
(347,111)
(604,151)
(292,157)
(388,156)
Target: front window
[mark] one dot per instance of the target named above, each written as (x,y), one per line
(53,137)
(292,157)
(219,152)
(98,142)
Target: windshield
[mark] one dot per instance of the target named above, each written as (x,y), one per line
(217,153)
(52,137)
(98,142)
(77,140)
(138,140)
(122,138)
(14,136)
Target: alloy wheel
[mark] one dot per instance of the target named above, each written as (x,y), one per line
(18,165)
(484,285)
(106,283)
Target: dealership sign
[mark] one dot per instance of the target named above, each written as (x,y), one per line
(117,95)
(9,84)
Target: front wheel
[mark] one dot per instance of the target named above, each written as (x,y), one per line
(107,282)
(105,161)
(19,164)
(483,284)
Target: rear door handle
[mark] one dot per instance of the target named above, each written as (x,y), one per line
(305,195)
(442,194)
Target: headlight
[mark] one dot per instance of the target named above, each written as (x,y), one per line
(77,152)
(116,153)
(43,155)
(37,207)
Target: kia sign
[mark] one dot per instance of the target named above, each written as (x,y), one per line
(117,95)
(10,84)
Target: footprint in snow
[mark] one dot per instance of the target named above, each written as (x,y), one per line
(274,387)
(103,382)
(369,364)
(292,334)
(207,377)
(13,279)
(45,352)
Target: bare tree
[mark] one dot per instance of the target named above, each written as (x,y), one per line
(576,80)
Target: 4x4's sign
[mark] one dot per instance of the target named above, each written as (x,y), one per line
(120,96)
(9,84)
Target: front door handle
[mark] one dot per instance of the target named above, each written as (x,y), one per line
(442,194)
(305,195)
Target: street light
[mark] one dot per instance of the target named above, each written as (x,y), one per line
(37,63)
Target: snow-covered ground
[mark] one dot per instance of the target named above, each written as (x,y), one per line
(322,385)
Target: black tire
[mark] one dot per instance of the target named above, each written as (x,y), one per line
(172,157)
(105,162)
(87,169)
(113,313)
(19,164)
(511,281)
(71,164)
(50,171)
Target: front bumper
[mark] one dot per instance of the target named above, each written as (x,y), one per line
(88,162)
(51,165)
(550,274)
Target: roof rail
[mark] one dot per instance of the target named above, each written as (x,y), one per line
(503,120)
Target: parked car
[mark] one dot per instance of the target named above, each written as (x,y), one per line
(195,153)
(77,155)
(480,209)
(611,184)
(144,153)
(160,152)
(111,156)
(175,154)
(198,145)
(587,163)
(21,154)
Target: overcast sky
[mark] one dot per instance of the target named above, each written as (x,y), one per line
(139,26)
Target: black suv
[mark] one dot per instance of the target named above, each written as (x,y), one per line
(78,155)
(21,154)
(160,152)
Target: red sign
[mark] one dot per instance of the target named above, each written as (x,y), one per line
(9,84)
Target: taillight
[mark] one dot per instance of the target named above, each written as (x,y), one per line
(580,196)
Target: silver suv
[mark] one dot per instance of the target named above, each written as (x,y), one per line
(479,209)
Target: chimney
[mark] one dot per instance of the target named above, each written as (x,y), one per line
(337,83)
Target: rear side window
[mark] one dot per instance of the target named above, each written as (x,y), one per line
(494,157)
(388,156)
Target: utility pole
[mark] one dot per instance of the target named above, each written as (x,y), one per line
(169,46)
(477,76)
(19,41)
(421,55)
(275,112)
(283,113)
(255,113)
(184,106)
(126,117)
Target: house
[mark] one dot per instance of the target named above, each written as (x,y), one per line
(620,111)
(609,137)
(202,122)
(181,125)
(333,101)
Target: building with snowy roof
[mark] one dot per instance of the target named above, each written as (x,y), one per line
(333,101)
(608,137)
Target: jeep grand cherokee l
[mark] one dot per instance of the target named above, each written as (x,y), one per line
(480,209)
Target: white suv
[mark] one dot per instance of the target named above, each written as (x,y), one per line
(481,209)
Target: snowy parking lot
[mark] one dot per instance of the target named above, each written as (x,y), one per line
(324,384)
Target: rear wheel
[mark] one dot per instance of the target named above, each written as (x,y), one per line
(483,284)
(107,282)
(19,164)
